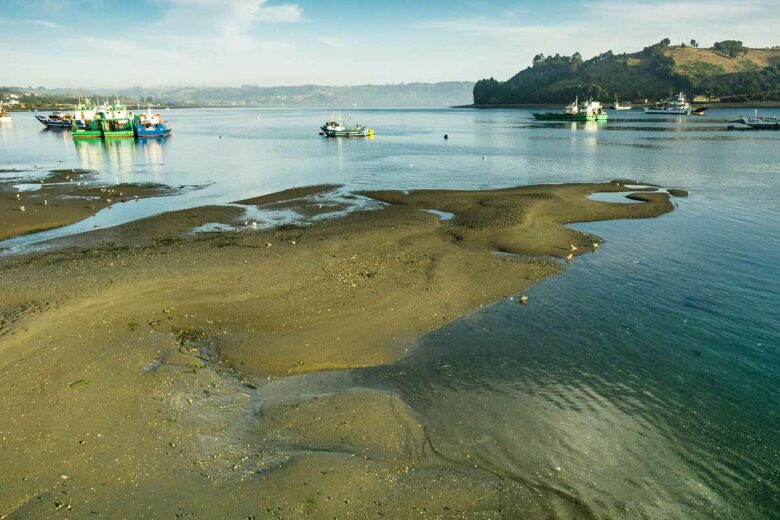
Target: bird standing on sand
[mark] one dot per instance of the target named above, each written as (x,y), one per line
(572,247)
(570,257)
(21,208)
(45,202)
(18,197)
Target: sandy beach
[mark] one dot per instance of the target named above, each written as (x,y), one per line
(144,366)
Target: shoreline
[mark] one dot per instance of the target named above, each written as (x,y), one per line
(143,359)
(756,104)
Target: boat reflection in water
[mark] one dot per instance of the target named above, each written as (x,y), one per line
(123,159)
(117,156)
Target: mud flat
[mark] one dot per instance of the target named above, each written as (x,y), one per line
(61,198)
(148,372)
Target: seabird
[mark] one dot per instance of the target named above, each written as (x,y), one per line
(570,257)
(595,245)
(45,202)
(522,299)
(21,208)
(572,247)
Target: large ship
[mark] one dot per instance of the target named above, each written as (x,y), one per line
(590,111)
(673,106)
(337,126)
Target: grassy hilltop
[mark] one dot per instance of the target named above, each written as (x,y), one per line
(728,71)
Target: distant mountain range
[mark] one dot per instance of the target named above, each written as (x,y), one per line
(727,71)
(399,95)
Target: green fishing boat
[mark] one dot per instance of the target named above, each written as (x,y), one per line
(590,111)
(116,122)
(84,121)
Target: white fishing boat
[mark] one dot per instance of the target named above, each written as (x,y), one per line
(618,107)
(673,106)
(758,122)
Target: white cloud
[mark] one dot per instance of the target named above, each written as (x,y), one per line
(599,25)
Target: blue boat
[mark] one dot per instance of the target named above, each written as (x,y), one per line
(150,126)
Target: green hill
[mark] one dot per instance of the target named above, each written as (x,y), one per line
(728,71)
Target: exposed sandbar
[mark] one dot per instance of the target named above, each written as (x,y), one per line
(134,366)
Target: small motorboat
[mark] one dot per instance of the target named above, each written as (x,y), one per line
(699,111)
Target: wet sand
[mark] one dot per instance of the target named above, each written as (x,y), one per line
(62,198)
(141,364)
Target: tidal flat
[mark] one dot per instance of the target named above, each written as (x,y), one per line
(152,372)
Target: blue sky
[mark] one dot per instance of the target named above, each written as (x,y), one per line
(106,43)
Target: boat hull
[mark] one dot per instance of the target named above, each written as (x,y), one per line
(580,118)
(157,132)
(87,134)
(367,132)
(53,123)
(119,134)
(661,111)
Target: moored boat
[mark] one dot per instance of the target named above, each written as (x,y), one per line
(116,121)
(56,120)
(590,111)
(5,117)
(758,122)
(618,107)
(673,106)
(336,126)
(148,125)
(85,121)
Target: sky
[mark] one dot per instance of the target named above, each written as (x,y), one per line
(151,43)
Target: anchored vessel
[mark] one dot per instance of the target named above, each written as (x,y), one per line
(337,126)
(618,107)
(590,111)
(116,121)
(5,117)
(758,122)
(673,106)
(58,120)
(150,125)
(84,121)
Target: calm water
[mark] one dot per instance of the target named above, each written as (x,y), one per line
(643,381)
